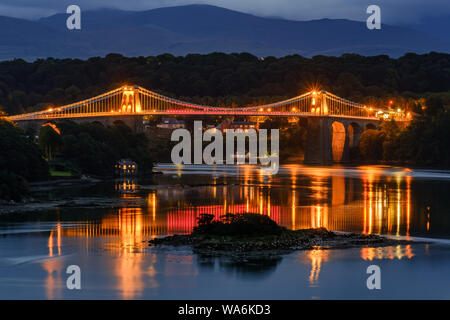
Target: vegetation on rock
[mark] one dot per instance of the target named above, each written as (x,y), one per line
(255,233)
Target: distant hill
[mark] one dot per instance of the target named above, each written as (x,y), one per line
(202,29)
(438,27)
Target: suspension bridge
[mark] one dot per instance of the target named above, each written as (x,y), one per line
(334,124)
(138,101)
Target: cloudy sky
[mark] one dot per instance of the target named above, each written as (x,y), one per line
(393,11)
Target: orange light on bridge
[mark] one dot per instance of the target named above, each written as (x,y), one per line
(53,126)
(139,101)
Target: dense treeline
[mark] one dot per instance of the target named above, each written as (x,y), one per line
(93,149)
(426,141)
(224,79)
(86,148)
(418,83)
(292,137)
(20,161)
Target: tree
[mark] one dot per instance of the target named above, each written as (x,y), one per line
(95,149)
(50,140)
(371,144)
(426,141)
(12,186)
(390,143)
(20,160)
(433,105)
(241,79)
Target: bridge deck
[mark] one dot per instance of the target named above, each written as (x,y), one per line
(137,101)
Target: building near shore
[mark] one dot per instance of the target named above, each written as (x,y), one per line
(237,125)
(170,123)
(126,167)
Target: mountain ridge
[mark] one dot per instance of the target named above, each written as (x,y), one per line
(187,29)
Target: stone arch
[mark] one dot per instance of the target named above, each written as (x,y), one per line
(119,123)
(98,123)
(353,132)
(371,126)
(338,136)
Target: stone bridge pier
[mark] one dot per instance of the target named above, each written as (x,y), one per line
(329,139)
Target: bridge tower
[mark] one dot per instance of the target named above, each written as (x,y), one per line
(130,102)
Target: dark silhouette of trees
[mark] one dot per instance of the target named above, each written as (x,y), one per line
(94,149)
(222,79)
(425,142)
(50,141)
(415,83)
(20,160)
(371,144)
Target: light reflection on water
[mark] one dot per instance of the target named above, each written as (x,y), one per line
(377,203)
(371,200)
(367,199)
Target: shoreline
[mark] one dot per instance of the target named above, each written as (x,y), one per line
(75,202)
(262,247)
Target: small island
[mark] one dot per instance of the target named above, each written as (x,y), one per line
(250,235)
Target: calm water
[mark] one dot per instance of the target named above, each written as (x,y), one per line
(110,245)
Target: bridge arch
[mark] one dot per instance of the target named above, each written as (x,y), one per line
(98,123)
(354,131)
(119,123)
(338,136)
(371,126)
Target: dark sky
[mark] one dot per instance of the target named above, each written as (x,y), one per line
(393,11)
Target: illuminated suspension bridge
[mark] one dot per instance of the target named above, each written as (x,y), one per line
(137,101)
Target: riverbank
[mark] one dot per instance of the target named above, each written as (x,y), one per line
(34,205)
(61,183)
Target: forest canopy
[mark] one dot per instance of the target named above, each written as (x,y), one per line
(223,79)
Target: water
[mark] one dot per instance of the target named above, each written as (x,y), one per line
(110,245)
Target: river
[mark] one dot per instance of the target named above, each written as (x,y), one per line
(110,245)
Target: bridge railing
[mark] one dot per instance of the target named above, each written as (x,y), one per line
(137,100)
